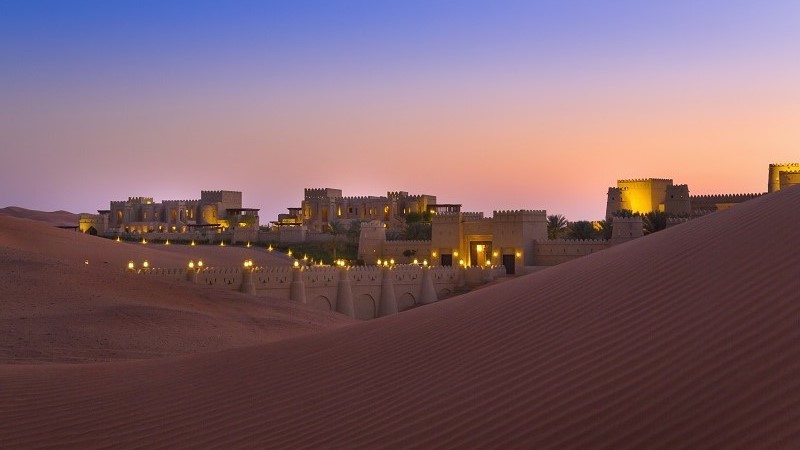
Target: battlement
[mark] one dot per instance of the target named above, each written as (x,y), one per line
(311,193)
(644,180)
(221,196)
(726,198)
(520,212)
(173,202)
(571,242)
(447,214)
(397,194)
(363,198)
(520,215)
(409,242)
(140,199)
(785,165)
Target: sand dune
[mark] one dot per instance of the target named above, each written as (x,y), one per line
(685,338)
(57,218)
(56,308)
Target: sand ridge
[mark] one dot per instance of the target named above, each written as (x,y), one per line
(685,338)
(56,218)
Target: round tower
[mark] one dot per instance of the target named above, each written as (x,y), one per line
(775,174)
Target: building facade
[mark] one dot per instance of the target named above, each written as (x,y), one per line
(660,194)
(215,215)
(322,206)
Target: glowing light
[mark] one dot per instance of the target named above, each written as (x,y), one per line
(191,264)
(391,261)
(222,243)
(192,244)
(425,262)
(200,263)
(289,252)
(297,264)
(433,254)
(461,262)
(145,264)
(118,239)
(131,265)
(455,253)
(144,241)
(416,261)
(248,263)
(305,257)
(488,263)
(479,247)
(494,254)
(379,262)
(248,245)
(519,254)
(86,261)
(166,243)
(386,263)
(269,248)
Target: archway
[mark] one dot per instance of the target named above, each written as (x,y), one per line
(364,306)
(406,301)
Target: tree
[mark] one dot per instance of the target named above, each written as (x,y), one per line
(556,223)
(419,231)
(336,229)
(354,232)
(654,221)
(582,229)
(605,228)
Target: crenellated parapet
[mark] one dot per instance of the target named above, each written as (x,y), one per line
(361,198)
(520,215)
(321,193)
(140,200)
(177,202)
(644,180)
(556,242)
(727,198)
(785,166)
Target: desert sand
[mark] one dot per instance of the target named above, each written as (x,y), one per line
(57,218)
(58,308)
(685,338)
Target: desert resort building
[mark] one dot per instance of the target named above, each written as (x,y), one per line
(517,239)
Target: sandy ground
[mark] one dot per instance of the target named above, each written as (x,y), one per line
(685,338)
(57,308)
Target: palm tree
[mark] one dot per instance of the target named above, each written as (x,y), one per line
(582,229)
(654,221)
(336,229)
(354,232)
(555,225)
(605,228)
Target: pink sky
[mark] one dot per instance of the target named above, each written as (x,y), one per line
(498,123)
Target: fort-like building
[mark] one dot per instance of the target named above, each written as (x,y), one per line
(216,215)
(516,240)
(322,206)
(660,194)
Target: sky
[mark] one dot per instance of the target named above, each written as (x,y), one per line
(494,105)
